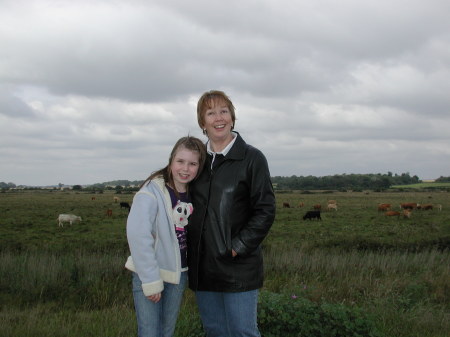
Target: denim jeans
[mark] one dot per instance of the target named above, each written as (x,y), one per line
(228,314)
(158,319)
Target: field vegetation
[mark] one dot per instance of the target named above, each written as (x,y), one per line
(355,273)
(424,186)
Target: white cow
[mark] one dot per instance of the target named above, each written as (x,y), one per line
(70,218)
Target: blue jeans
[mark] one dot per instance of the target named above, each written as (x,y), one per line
(158,319)
(228,314)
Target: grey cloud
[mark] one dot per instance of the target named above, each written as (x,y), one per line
(13,107)
(321,87)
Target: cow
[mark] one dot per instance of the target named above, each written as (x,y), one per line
(92,198)
(70,218)
(286,205)
(317,207)
(425,207)
(408,205)
(384,207)
(301,204)
(392,213)
(125,205)
(116,199)
(439,207)
(109,212)
(406,213)
(331,206)
(332,202)
(312,215)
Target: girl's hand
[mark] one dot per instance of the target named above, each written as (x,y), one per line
(233,253)
(155,298)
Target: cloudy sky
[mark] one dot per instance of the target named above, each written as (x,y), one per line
(99,90)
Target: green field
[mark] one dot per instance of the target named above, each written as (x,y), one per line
(420,186)
(71,279)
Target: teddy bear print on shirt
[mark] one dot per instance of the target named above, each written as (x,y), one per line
(181,212)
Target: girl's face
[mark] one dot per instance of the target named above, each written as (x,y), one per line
(184,168)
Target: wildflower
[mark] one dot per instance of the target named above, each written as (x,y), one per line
(294,296)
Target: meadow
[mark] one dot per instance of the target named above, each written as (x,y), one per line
(424,185)
(70,281)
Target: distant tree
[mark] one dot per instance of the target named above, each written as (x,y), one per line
(7,186)
(77,187)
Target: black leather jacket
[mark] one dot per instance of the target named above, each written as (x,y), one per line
(234,208)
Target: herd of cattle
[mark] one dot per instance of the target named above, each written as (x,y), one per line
(405,209)
(71,218)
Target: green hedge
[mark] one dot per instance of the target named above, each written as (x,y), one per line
(284,315)
(291,316)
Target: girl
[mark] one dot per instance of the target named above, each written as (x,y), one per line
(157,239)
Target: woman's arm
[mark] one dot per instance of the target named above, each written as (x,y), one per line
(262,200)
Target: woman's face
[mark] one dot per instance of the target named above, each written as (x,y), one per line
(218,122)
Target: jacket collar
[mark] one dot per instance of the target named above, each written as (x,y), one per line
(237,151)
(227,148)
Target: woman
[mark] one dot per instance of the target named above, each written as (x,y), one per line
(234,209)
(157,239)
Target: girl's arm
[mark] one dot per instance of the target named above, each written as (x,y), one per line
(141,235)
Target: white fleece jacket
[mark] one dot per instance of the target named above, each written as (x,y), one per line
(155,251)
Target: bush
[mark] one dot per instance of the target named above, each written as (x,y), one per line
(284,315)
(291,316)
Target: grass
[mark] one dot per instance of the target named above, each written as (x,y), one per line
(425,185)
(44,321)
(28,221)
(70,281)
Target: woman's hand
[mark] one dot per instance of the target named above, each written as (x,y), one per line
(155,298)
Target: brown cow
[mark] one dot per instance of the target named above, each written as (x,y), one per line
(109,212)
(286,205)
(392,213)
(317,207)
(384,207)
(92,198)
(406,213)
(301,204)
(408,205)
(425,207)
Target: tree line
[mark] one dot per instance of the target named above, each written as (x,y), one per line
(333,182)
(344,181)
(442,179)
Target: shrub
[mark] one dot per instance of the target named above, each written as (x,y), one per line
(284,315)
